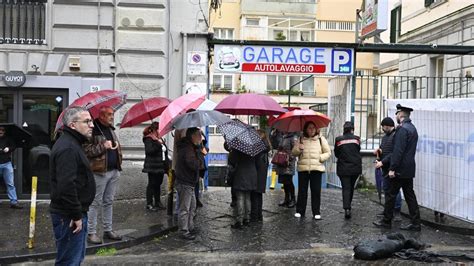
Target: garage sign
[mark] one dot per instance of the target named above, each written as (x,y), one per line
(277,59)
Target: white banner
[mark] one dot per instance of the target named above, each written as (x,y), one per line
(445,154)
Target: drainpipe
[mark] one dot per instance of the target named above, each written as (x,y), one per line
(168,48)
(185,52)
(114,49)
(99,66)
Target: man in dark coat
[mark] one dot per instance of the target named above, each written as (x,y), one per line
(349,164)
(384,153)
(72,187)
(256,196)
(187,165)
(402,171)
(244,180)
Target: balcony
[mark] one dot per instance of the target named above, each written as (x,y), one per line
(279,7)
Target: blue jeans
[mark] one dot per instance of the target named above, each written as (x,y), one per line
(71,248)
(7,172)
(398,200)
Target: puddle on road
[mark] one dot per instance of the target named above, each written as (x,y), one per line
(326,249)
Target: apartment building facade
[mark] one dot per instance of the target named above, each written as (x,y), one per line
(63,49)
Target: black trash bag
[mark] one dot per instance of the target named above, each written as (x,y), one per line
(379,249)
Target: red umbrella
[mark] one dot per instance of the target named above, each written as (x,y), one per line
(294,121)
(93,101)
(249,104)
(177,107)
(145,110)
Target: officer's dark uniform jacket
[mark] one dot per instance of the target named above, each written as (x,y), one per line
(347,152)
(405,140)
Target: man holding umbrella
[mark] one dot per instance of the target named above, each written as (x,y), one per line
(105,157)
(6,149)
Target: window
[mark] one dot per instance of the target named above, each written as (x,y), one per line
(413,88)
(253,22)
(305,36)
(335,25)
(283,83)
(226,34)
(279,35)
(296,35)
(395,24)
(22,22)
(222,82)
(431,3)
(439,75)
(271,83)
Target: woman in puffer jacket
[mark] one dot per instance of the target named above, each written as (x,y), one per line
(312,150)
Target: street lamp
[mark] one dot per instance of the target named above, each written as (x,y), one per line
(293,85)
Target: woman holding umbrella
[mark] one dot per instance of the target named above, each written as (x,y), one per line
(312,150)
(156,165)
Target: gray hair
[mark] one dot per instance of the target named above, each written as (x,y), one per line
(72,113)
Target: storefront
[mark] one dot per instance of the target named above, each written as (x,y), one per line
(35,106)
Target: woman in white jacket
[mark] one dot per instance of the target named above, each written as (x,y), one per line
(312,151)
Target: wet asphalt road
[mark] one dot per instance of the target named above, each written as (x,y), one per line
(281,239)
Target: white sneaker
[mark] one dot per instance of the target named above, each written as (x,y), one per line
(297,215)
(317,217)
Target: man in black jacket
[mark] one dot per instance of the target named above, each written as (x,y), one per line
(7,147)
(349,164)
(72,187)
(188,163)
(402,171)
(384,153)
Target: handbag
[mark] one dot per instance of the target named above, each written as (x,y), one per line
(281,158)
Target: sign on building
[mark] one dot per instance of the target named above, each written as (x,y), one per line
(374,17)
(197,63)
(278,59)
(14,79)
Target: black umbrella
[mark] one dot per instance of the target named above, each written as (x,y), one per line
(200,119)
(19,136)
(242,137)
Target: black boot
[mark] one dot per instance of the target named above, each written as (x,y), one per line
(347,213)
(292,201)
(286,201)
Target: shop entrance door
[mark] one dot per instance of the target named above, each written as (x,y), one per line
(36,110)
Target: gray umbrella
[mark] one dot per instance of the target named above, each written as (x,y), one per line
(200,119)
(242,137)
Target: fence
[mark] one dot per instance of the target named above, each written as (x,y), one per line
(445,154)
(372,92)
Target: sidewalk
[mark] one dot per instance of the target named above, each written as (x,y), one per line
(130,220)
(138,226)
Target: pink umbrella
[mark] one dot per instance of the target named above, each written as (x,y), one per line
(177,107)
(249,104)
(143,111)
(294,121)
(93,101)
